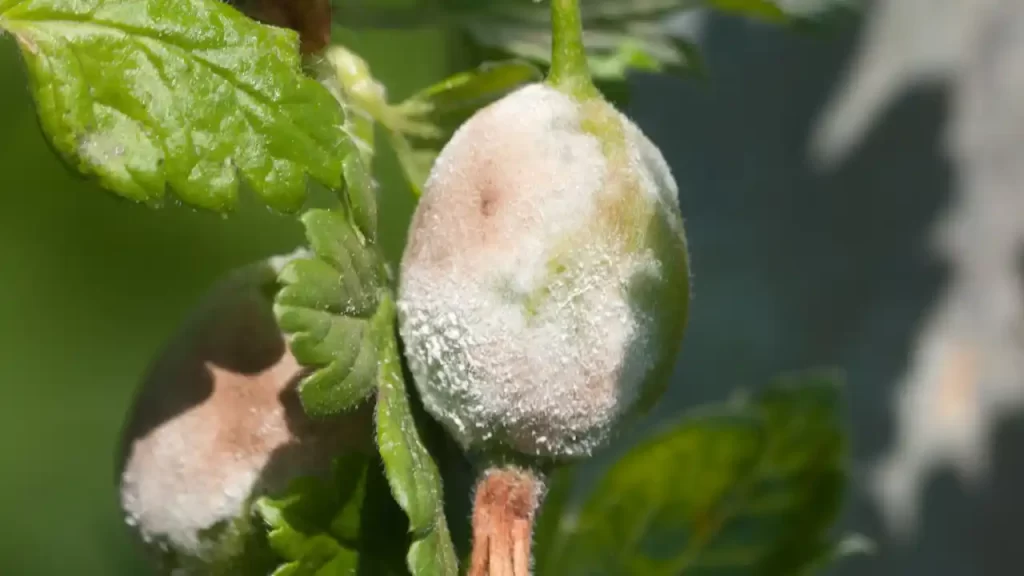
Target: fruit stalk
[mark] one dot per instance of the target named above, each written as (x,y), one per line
(569,71)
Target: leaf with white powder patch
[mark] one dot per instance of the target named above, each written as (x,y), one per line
(146,95)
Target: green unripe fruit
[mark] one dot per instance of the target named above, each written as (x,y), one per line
(544,287)
(216,424)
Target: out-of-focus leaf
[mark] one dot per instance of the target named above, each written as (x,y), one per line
(449,103)
(802,476)
(554,514)
(416,161)
(624,36)
(783,11)
(440,109)
(661,497)
(186,94)
(760,9)
(613,49)
(747,489)
(592,11)
(330,308)
(327,528)
(411,471)
(851,545)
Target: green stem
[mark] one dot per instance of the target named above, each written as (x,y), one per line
(569,71)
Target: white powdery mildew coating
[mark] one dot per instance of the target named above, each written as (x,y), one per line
(186,480)
(217,423)
(517,316)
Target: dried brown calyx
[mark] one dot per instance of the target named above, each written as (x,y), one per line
(504,508)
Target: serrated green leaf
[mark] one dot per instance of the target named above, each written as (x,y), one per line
(329,306)
(411,471)
(349,79)
(327,528)
(750,489)
(310,505)
(185,94)
(360,185)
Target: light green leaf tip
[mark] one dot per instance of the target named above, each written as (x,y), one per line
(450,102)
(414,477)
(444,106)
(147,95)
(748,489)
(330,308)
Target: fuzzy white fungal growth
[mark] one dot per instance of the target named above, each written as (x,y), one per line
(545,280)
(216,424)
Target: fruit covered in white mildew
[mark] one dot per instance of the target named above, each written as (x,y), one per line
(217,423)
(544,287)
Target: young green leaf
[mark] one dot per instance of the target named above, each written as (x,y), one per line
(752,489)
(446,105)
(449,103)
(186,94)
(330,528)
(411,471)
(331,308)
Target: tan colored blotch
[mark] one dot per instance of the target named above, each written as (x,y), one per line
(217,420)
(532,284)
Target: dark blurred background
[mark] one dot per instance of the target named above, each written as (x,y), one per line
(796,264)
